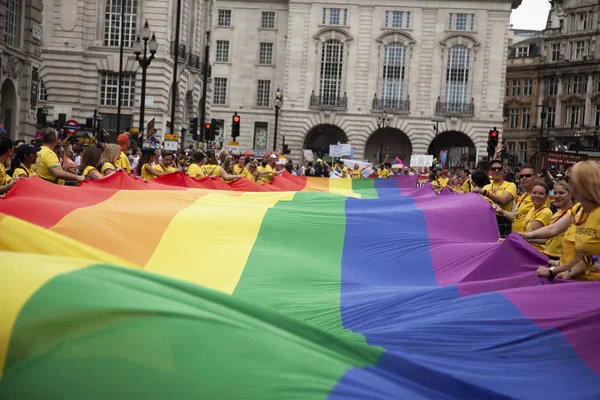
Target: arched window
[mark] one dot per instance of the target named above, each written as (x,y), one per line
(392,81)
(330,83)
(457,79)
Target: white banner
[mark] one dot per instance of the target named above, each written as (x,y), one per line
(421,160)
(170,145)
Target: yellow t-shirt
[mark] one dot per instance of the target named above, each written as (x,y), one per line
(47,159)
(3,175)
(195,171)
(237,170)
(357,173)
(543,215)
(568,244)
(523,207)
(145,174)
(384,173)
(246,174)
(123,163)
(587,242)
(211,170)
(499,190)
(87,170)
(267,177)
(106,166)
(22,170)
(467,187)
(345,172)
(554,245)
(159,167)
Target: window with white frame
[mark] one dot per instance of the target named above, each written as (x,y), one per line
(268,20)
(224,18)
(522,51)
(577,84)
(513,118)
(43,93)
(222,52)
(582,24)
(550,116)
(109,89)
(220,91)
(397,19)
(577,50)
(574,115)
(461,22)
(263,93)
(457,77)
(522,159)
(555,51)
(330,78)
(335,16)
(552,86)
(112,22)
(527,86)
(516,88)
(525,117)
(597,116)
(510,147)
(12,27)
(265,56)
(392,82)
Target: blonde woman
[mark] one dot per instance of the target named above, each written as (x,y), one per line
(110,155)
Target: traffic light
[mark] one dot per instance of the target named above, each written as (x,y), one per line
(492,143)
(194,128)
(286,149)
(209,135)
(235,126)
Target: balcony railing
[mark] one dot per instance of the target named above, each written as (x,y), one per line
(455,109)
(180,51)
(193,61)
(328,102)
(391,105)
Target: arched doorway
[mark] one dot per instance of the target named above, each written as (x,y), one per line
(460,148)
(395,144)
(320,137)
(8,109)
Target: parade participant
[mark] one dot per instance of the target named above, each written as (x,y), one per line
(6,147)
(123,161)
(356,172)
(26,158)
(145,169)
(344,170)
(240,166)
(48,165)
(528,177)
(502,193)
(212,168)
(267,169)
(166,163)
(90,163)
(465,180)
(195,168)
(109,158)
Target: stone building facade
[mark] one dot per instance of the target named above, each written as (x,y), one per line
(436,68)
(20,63)
(81,61)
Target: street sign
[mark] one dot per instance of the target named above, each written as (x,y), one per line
(71,127)
(171,136)
(234,143)
(170,145)
(235,150)
(150,130)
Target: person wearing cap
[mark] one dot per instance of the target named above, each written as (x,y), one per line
(123,161)
(48,164)
(26,158)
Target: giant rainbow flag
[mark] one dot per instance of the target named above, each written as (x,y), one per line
(308,288)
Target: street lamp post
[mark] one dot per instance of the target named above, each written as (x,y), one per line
(383,122)
(578,136)
(278,103)
(98,122)
(141,55)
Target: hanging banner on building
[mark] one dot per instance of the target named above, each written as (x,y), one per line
(35,82)
(150,129)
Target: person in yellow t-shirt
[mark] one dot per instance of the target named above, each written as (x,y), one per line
(356,172)
(123,162)
(584,182)
(240,166)
(528,178)
(166,163)
(26,157)
(250,172)
(6,147)
(212,168)
(90,162)
(145,167)
(109,159)
(344,170)
(267,169)
(195,168)
(540,215)
(48,165)
(467,183)
(502,193)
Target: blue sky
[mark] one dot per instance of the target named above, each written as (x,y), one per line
(532,14)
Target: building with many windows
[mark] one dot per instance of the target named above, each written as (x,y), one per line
(409,78)
(20,61)
(565,110)
(81,42)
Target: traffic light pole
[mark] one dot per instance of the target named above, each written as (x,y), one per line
(204,87)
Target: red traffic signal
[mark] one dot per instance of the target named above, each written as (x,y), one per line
(207,126)
(236,119)
(494,134)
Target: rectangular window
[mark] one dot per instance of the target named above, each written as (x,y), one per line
(222,53)
(220,91)
(513,118)
(112,23)
(527,85)
(522,51)
(577,50)
(268,20)
(109,89)
(461,22)
(582,22)
(516,88)
(263,94)
(261,130)
(224,18)
(507,88)
(392,82)
(43,93)
(397,19)
(555,51)
(522,152)
(574,115)
(265,56)
(552,86)
(335,16)
(330,79)
(550,116)
(458,69)
(12,27)
(510,147)
(577,84)
(597,116)
(525,116)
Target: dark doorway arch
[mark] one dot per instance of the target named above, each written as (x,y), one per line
(8,109)
(460,147)
(395,144)
(321,136)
